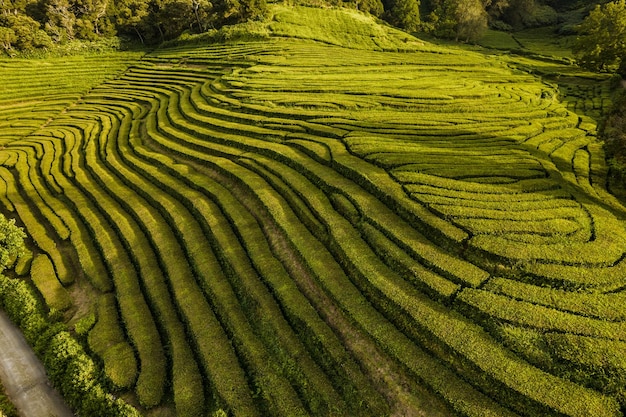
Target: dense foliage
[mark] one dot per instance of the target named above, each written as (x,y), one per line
(613,133)
(28,24)
(602,40)
(31,24)
(11,242)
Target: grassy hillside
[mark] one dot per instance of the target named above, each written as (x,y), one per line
(290,226)
(340,27)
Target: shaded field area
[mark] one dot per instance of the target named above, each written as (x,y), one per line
(290,228)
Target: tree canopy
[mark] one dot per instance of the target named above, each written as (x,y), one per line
(464,20)
(602,40)
(30,24)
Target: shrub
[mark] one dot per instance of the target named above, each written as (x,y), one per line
(11,242)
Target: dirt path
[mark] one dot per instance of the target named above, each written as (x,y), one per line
(24,377)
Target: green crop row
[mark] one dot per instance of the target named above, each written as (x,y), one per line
(525,214)
(594,362)
(221,294)
(45,279)
(457,202)
(561,228)
(34,187)
(426,280)
(428,192)
(134,310)
(230,208)
(108,341)
(36,228)
(186,382)
(591,278)
(608,306)
(488,305)
(4,194)
(605,249)
(520,187)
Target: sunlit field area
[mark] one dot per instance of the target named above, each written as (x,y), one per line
(289,227)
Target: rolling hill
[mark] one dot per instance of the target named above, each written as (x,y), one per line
(321,215)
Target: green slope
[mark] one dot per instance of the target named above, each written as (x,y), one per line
(336,219)
(335,26)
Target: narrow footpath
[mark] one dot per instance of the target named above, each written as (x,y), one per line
(24,377)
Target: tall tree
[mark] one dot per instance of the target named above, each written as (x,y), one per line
(602,40)
(518,11)
(404,13)
(373,7)
(128,16)
(496,8)
(26,30)
(471,18)
(7,38)
(464,20)
(202,11)
(60,20)
(91,19)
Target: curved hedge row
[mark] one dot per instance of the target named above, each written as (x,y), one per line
(286,228)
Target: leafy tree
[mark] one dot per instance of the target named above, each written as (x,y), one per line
(471,19)
(92,20)
(373,7)
(225,11)
(7,38)
(23,32)
(202,12)
(252,10)
(602,40)
(518,12)
(405,14)
(496,8)
(460,19)
(11,242)
(172,17)
(61,20)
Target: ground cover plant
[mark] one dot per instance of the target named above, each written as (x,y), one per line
(294,226)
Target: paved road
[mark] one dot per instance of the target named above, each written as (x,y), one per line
(24,377)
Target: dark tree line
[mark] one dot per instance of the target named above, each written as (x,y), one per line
(466,20)
(29,24)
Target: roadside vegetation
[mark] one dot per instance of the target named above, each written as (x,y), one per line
(281,218)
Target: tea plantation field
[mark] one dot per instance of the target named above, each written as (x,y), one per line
(286,228)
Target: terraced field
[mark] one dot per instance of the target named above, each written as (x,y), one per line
(289,228)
